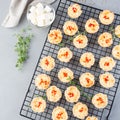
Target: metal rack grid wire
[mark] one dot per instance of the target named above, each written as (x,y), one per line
(49,49)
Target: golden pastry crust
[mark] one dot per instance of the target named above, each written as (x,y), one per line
(87,59)
(116,52)
(87,80)
(117,31)
(74,11)
(54,94)
(91,118)
(70,28)
(100,100)
(65,75)
(105,39)
(107,63)
(42,81)
(80,41)
(91,26)
(55,36)
(107,80)
(47,63)
(64,54)
(59,113)
(38,104)
(106,17)
(80,110)
(72,94)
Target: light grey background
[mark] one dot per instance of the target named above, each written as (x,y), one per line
(14,83)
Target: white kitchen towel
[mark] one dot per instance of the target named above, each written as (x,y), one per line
(16,10)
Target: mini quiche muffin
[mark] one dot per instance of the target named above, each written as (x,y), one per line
(87,80)
(100,100)
(91,118)
(117,31)
(55,36)
(116,52)
(59,113)
(80,41)
(70,28)
(91,26)
(80,110)
(107,80)
(42,81)
(74,11)
(38,104)
(53,94)
(64,54)
(105,39)
(87,59)
(72,94)
(65,75)
(107,63)
(106,17)
(47,63)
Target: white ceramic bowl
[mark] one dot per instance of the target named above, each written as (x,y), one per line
(34,17)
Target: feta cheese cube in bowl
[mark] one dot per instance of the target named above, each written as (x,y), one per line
(40,14)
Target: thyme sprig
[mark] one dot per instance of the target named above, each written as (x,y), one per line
(78,33)
(61,44)
(72,82)
(112,31)
(22,46)
(44,96)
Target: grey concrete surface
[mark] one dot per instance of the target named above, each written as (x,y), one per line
(14,83)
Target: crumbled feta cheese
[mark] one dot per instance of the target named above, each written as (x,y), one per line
(40,20)
(40,6)
(47,9)
(32,9)
(39,11)
(33,21)
(40,15)
(50,16)
(47,21)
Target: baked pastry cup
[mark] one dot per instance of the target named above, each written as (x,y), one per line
(38,104)
(105,39)
(74,11)
(55,36)
(92,26)
(70,28)
(116,52)
(100,100)
(106,17)
(59,113)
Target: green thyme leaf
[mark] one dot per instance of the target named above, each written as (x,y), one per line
(22,46)
(61,44)
(78,33)
(71,39)
(111,28)
(112,31)
(44,97)
(72,82)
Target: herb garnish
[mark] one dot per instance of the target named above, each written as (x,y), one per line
(22,46)
(112,31)
(78,33)
(61,44)
(72,82)
(44,97)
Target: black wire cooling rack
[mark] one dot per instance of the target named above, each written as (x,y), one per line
(49,49)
